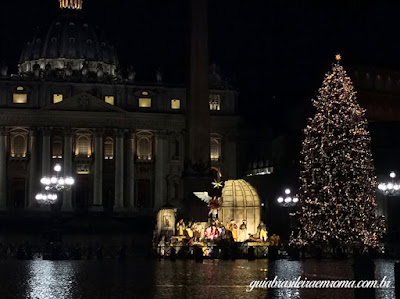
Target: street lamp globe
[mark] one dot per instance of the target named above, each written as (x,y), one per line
(280,199)
(57,167)
(287,191)
(392,174)
(288,199)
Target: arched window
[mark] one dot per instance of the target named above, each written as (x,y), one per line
(215,102)
(18,146)
(144,145)
(215,148)
(144,148)
(57,148)
(108,149)
(83,146)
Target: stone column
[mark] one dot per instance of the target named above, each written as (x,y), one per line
(119,171)
(98,171)
(46,152)
(130,175)
(3,169)
(161,158)
(67,155)
(34,175)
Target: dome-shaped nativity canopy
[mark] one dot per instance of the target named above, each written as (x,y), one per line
(240,201)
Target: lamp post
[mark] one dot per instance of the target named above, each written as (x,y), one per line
(287,200)
(390,188)
(53,185)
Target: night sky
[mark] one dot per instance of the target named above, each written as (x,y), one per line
(275,52)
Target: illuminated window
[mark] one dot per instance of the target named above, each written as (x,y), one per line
(145,102)
(57,148)
(215,102)
(215,149)
(109,100)
(144,146)
(175,104)
(20,98)
(82,169)
(83,147)
(18,146)
(145,93)
(108,149)
(57,98)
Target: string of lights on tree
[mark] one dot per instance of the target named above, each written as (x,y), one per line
(337,177)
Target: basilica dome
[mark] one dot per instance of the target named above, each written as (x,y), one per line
(240,202)
(71,44)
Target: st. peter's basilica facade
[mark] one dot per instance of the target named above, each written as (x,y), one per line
(122,141)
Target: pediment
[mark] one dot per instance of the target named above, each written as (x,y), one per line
(83,102)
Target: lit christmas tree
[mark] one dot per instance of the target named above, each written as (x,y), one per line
(337,177)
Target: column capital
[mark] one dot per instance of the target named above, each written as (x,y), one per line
(46,131)
(3,131)
(162,134)
(98,133)
(131,134)
(33,132)
(119,133)
(68,132)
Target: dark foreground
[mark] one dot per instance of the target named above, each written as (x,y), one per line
(166,279)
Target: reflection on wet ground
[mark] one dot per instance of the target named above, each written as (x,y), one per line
(179,279)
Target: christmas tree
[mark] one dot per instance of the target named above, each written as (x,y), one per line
(337,177)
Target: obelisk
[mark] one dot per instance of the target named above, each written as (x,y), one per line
(197,146)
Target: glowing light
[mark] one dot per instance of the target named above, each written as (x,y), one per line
(392,174)
(145,102)
(280,199)
(57,167)
(382,186)
(288,199)
(71,4)
(389,186)
(57,98)
(287,191)
(109,100)
(295,199)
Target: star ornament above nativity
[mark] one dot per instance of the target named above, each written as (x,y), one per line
(216,184)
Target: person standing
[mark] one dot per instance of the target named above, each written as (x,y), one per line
(243,232)
(180,228)
(262,228)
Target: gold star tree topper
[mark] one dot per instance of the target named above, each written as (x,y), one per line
(338,57)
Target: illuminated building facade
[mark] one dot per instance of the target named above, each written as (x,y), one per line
(122,141)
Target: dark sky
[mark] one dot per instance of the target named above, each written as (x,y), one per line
(269,49)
